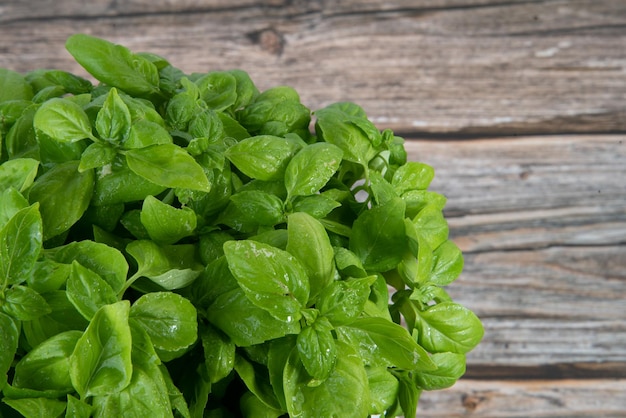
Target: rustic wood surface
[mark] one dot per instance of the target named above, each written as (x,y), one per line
(520,105)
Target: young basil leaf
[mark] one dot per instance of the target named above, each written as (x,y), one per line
(87,291)
(101,361)
(408,394)
(219,352)
(246,90)
(36,407)
(343,301)
(114,64)
(311,168)
(448,327)
(166,224)
(144,133)
(77,408)
(416,200)
(11,202)
(169,266)
(62,120)
(309,243)
(96,155)
(271,278)
(249,209)
(46,367)
(263,157)
(384,342)
(218,89)
(432,226)
(9,336)
(317,350)
(317,205)
(63,194)
(24,303)
(180,109)
(20,245)
(18,173)
(348,263)
(450,368)
(447,264)
(168,165)
(169,319)
(113,121)
(256,379)
(244,322)
(21,140)
(343,394)
(378,236)
(412,176)
(107,262)
(47,275)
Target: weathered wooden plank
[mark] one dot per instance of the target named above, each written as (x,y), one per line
(436,66)
(533,398)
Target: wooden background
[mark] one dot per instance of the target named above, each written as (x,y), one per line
(520,105)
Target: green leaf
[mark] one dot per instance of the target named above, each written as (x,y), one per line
(96,155)
(101,361)
(62,120)
(309,243)
(11,202)
(317,350)
(46,367)
(63,194)
(170,266)
(9,335)
(87,291)
(448,327)
(379,237)
(447,264)
(113,121)
(168,318)
(20,245)
(252,406)
(263,157)
(218,89)
(256,379)
(317,205)
(114,64)
(383,342)
(36,407)
(108,262)
(249,209)
(343,301)
(77,408)
(271,278)
(383,389)
(13,86)
(166,224)
(432,226)
(219,352)
(311,168)
(450,368)
(343,394)
(144,133)
(24,303)
(408,395)
(18,173)
(412,176)
(168,165)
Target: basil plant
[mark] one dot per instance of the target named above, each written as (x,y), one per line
(186,245)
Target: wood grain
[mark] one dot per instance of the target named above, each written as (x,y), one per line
(470,66)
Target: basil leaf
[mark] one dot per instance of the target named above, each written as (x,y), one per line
(11,202)
(317,205)
(308,242)
(447,264)
(383,389)
(249,209)
(343,394)
(18,173)
(311,168)
(114,64)
(263,157)
(218,89)
(450,368)
(36,407)
(13,86)
(46,367)
(317,350)
(343,301)
(412,176)
(168,165)
(432,226)
(271,278)
(63,194)
(9,336)
(113,121)
(62,120)
(144,133)
(87,291)
(77,408)
(378,236)
(24,303)
(448,327)
(219,352)
(256,379)
(166,224)
(101,361)
(20,245)
(96,155)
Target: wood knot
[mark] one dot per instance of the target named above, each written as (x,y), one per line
(269,40)
(471,402)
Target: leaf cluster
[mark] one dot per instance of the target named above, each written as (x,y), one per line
(186,245)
